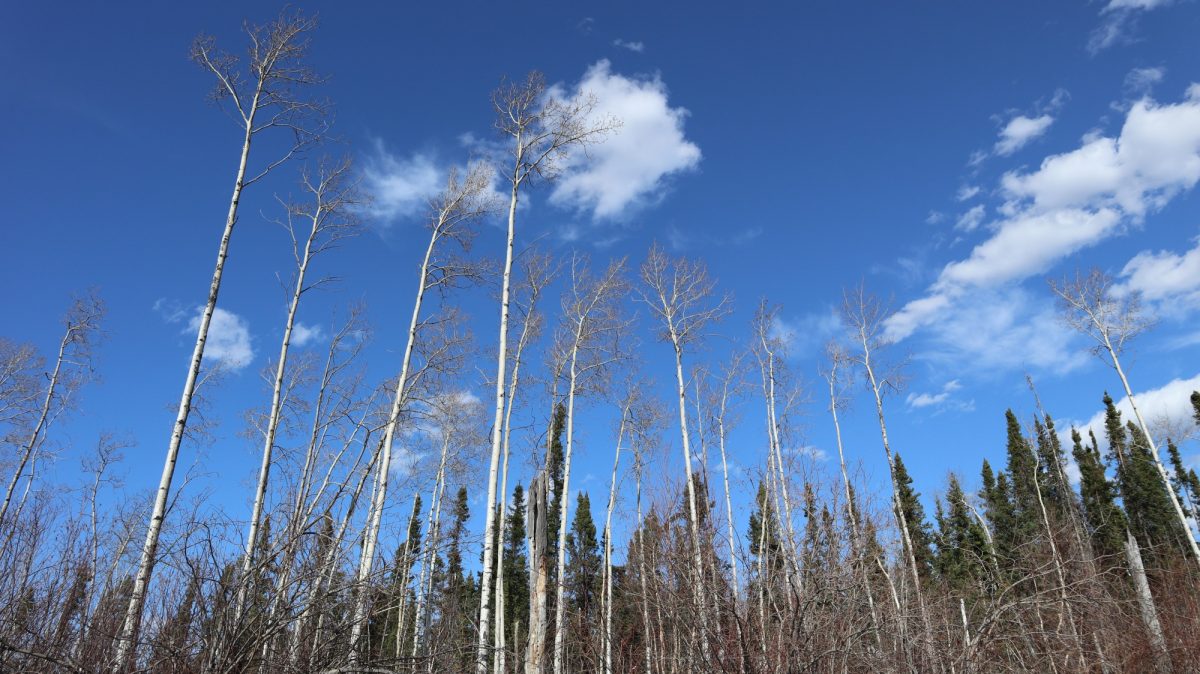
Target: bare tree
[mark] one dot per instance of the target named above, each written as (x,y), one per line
(268,94)
(865,315)
(538,273)
(1089,304)
(452,213)
(589,342)
(544,130)
(328,218)
(680,294)
(72,368)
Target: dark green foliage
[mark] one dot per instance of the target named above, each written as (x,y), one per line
(962,558)
(583,560)
(516,575)
(1105,521)
(1023,474)
(909,503)
(1148,501)
(762,534)
(1000,514)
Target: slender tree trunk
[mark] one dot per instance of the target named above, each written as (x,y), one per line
(563,503)
(30,445)
(693,509)
(612,499)
(127,641)
(375,515)
(264,471)
(1158,643)
(481,659)
(432,531)
(900,518)
(1162,470)
(730,536)
(648,635)
(858,551)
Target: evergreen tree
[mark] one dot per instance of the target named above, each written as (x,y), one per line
(1023,473)
(1105,521)
(583,560)
(1148,502)
(1196,406)
(1185,482)
(962,544)
(1000,514)
(458,597)
(1056,492)
(914,515)
(763,532)
(516,574)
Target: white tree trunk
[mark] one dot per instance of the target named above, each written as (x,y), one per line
(563,503)
(1162,471)
(481,659)
(264,471)
(693,509)
(375,515)
(28,449)
(1158,643)
(612,499)
(127,640)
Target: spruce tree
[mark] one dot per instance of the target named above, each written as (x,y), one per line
(1023,472)
(914,515)
(1000,514)
(1155,514)
(762,534)
(962,544)
(516,575)
(1105,521)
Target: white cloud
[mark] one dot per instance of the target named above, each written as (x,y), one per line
(630,167)
(935,217)
(400,187)
(304,334)
(1019,131)
(1163,275)
(967,192)
(919,400)
(1073,200)
(1141,80)
(228,342)
(1120,18)
(172,311)
(1000,330)
(637,46)
(1166,407)
(805,334)
(967,222)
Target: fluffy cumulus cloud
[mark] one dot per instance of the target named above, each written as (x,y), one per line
(1164,275)
(631,167)
(228,343)
(1071,201)
(1166,409)
(303,335)
(1020,131)
(400,186)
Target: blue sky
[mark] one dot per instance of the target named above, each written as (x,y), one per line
(948,154)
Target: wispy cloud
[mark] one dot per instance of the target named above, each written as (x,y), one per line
(637,46)
(302,334)
(1118,22)
(1020,131)
(969,221)
(400,186)
(942,400)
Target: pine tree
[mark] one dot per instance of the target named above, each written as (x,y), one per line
(763,533)
(1023,472)
(962,558)
(1106,522)
(1000,514)
(914,514)
(1151,507)
(582,579)
(458,597)
(1056,492)
(516,575)
(1196,406)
